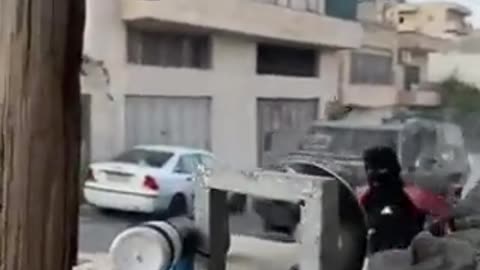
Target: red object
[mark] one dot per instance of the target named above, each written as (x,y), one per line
(429,202)
(425,200)
(150,183)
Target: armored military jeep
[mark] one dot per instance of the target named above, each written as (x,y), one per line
(432,156)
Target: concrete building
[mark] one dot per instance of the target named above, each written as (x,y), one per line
(438,19)
(375,10)
(389,70)
(216,74)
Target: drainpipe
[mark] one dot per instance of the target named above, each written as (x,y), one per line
(340,78)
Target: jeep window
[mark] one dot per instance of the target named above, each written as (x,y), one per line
(419,148)
(348,142)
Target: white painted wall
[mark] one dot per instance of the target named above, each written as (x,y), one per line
(232,83)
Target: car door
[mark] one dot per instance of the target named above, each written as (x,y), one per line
(184,171)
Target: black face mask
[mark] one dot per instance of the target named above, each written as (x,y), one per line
(379,177)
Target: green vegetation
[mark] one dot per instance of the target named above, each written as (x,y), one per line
(459,96)
(460,105)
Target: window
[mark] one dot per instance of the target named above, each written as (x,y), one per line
(187,164)
(168,49)
(412,76)
(144,157)
(347,141)
(287,61)
(419,148)
(369,68)
(302,5)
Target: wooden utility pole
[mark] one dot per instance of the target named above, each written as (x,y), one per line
(40,57)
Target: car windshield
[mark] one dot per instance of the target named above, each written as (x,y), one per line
(348,142)
(144,157)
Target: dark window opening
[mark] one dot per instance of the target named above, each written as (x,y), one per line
(168,49)
(401,20)
(412,76)
(287,61)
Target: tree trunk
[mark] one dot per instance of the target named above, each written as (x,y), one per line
(40,57)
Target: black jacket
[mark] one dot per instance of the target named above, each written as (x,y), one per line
(393,219)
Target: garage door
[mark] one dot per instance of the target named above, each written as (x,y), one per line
(181,121)
(281,123)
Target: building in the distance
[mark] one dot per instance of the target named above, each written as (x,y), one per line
(216,74)
(390,70)
(375,10)
(438,19)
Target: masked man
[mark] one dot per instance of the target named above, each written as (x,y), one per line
(393,219)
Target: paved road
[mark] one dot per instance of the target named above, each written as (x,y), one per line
(97,230)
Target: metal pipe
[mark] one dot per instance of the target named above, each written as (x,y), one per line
(156,245)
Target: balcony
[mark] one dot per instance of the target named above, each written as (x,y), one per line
(457,8)
(459,27)
(420,42)
(247,18)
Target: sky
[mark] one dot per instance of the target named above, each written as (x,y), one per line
(474,5)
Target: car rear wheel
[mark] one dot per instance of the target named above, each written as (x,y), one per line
(178,206)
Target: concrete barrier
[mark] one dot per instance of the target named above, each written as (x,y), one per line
(319,227)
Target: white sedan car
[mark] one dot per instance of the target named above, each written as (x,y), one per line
(146,179)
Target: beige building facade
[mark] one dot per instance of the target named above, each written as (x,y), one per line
(438,19)
(390,69)
(214,74)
